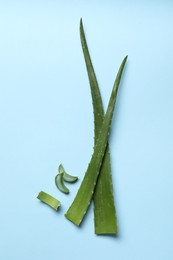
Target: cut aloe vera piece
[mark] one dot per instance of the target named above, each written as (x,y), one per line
(84,195)
(105,220)
(67,177)
(59,182)
(49,200)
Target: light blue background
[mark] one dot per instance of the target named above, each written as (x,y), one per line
(46,118)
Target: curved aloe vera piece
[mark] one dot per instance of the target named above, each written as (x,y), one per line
(84,195)
(67,177)
(105,219)
(49,200)
(59,182)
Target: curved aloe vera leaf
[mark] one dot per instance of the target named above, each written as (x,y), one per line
(49,200)
(84,195)
(105,219)
(59,182)
(67,177)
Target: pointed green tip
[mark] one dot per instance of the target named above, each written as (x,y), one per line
(124,60)
(81,25)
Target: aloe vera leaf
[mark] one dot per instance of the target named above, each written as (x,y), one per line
(84,195)
(105,220)
(59,182)
(67,177)
(49,200)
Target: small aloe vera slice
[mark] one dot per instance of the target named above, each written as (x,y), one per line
(59,182)
(67,177)
(105,219)
(49,200)
(84,195)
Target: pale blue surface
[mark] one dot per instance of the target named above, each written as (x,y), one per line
(46,118)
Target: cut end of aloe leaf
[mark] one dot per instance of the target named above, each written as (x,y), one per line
(49,200)
(106,230)
(72,219)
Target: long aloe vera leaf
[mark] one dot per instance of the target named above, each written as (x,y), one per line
(84,195)
(105,220)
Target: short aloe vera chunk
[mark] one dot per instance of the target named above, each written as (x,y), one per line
(67,177)
(59,182)
(84,195)
(105,220)
(49,200)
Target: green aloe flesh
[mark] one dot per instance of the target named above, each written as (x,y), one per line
(84,195)
(105,220)
(59,182)
(49,200)
(67,177)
